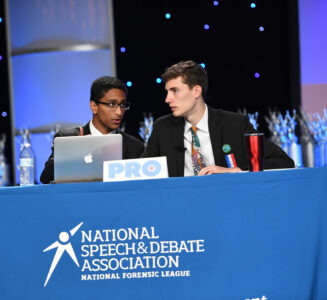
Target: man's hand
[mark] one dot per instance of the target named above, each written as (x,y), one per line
(218,170)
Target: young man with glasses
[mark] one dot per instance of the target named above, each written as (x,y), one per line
(200,140)
(108,104)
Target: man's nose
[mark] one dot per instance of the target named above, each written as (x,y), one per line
(119,110)
(168,99)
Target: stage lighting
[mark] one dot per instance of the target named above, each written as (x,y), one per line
(167,15)
(253,5)
(206,26)
(158,80)
(123,49)
(129,83)
(203,65)
(256,75)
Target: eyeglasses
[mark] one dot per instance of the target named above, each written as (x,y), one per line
(114,105)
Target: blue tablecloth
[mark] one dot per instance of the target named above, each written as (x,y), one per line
(229,236)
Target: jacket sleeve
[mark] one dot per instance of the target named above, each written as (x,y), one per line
(132,147)
(48,172)
(275,157)
(138,148)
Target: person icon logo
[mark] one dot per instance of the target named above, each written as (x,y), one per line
(64,237)
(62,245)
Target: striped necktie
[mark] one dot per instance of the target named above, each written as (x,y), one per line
(197,158)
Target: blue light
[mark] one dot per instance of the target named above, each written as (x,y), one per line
(0,20)
(167,15)
(261,28)
(123,49)
(129,83)
(215,3)
(0,57)
(4,114)
(256,75)
(206,26)
(253,5)
(203,65)
(158,80)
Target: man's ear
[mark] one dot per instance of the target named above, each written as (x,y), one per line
(197,89)
(94,107)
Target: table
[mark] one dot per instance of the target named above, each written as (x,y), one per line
(226,236)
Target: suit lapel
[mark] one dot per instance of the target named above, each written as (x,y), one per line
(86,129)
(215,135)
(178,143)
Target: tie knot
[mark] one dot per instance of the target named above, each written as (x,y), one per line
(194,128)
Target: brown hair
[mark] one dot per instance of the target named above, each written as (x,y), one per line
(191,72)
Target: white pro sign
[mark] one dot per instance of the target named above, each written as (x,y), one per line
(135,169)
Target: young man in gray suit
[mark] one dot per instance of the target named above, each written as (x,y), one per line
(196,138)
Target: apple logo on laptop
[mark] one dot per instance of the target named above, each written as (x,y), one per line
(88,158)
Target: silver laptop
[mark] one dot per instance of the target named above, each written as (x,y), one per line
(80,158)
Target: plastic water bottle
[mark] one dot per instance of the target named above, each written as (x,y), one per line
(26,166)
(4,178)
(3,171)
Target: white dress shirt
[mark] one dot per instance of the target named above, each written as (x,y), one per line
(205,144)
(96,132)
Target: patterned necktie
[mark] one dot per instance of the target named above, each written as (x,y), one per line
(197,159)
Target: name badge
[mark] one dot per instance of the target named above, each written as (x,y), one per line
(135,169)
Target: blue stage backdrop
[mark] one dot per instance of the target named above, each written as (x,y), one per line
(52,86)
(313,46)
(47,93)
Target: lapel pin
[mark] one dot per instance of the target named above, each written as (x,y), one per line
(226,148)
(230,158)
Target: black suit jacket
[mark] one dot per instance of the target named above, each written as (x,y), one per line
(132,148)
(167,139)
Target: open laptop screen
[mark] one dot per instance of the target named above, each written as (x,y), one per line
(80,158)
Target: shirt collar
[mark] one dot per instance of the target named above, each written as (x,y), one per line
(96,132)
(202,124)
